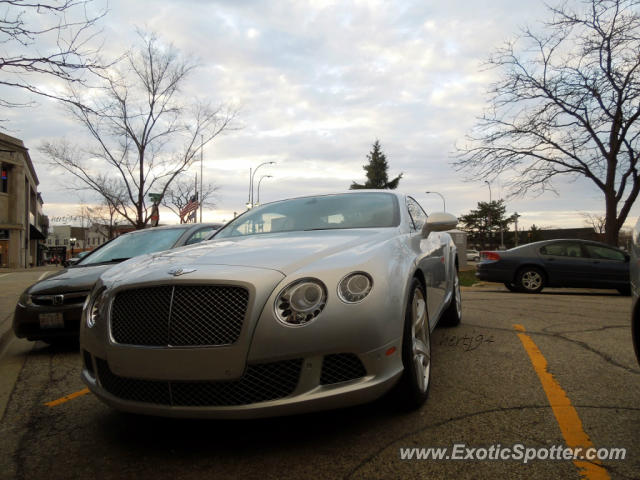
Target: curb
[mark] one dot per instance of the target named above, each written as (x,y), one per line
(6,334)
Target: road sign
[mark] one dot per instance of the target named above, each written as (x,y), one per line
(155,197)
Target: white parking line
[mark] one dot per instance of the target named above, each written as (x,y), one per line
(4,275)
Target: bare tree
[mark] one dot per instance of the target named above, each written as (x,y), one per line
(594,220)
(67,24)
(183,190)
(103,218)
(567,103)
(144,135)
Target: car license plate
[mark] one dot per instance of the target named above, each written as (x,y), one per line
(51,320)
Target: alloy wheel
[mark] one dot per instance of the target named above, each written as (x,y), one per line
(531,280)
(421,350)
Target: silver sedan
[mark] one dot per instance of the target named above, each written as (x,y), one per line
(298,305)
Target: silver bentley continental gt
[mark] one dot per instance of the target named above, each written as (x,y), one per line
(304,304)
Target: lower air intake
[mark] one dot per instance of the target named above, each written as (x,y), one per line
(260,383)
(341,367)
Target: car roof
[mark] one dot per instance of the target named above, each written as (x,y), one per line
(579,240)
(183,226)
(344,192)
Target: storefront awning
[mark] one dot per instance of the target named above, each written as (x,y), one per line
(35,234)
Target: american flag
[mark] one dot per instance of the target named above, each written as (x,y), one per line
(190,207)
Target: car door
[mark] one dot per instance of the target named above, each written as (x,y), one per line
(566,264)
(431,260)
(609,266)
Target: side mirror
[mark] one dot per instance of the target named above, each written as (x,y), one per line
(439,222)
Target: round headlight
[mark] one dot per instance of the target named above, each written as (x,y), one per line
(355,287)
(301,301)
(93,309)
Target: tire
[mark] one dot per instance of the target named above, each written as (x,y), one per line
(412,389)
(452,316)
(512,287)
(530,280)
(476,259)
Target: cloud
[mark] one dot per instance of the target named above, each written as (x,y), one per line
(317,82)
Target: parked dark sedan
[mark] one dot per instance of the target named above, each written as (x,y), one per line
(635,289)
(557,263)
(50,309)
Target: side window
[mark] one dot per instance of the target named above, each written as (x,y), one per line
(563,249)
(417,214)
(604,253)
(199,235)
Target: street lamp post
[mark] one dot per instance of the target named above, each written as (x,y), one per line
(199,199)
(516,216)
(489,215)
(72,242)
(249,198)
(252,175)
(259,182)
(444,205)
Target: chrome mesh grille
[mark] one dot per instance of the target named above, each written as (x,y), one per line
(260,383)
(207,315)
(141,316)
(148,391)
(341,367)
(179,315)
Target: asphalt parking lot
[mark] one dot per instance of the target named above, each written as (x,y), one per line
(544,371)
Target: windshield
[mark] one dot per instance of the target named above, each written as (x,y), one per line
(134,244)
(327,212)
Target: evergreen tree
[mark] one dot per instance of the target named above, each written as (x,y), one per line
(377,171)
(534,234)
(483,224)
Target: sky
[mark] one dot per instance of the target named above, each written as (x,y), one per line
(316,83)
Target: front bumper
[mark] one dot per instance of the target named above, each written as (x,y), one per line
(265,390)
(26,322)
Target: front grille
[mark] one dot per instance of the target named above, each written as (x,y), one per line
(179,315)
(260,383)
(341,367)
(73,298)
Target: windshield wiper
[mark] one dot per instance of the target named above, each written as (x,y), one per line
(113,260)
(116,260)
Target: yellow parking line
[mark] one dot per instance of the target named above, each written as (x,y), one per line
(71,396)
(566,415)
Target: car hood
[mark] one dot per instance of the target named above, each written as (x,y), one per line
(69,280)
(284,252)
